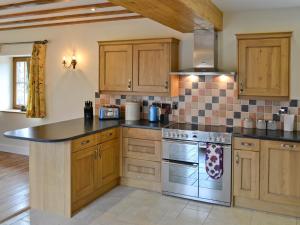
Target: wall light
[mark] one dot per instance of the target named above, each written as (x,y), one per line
(72,63)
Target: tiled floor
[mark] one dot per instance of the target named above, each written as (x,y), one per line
(128,206)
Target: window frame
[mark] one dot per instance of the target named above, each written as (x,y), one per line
(15,60)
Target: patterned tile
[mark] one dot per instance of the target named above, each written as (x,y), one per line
(208,100)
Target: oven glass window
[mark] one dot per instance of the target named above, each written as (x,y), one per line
(183,174)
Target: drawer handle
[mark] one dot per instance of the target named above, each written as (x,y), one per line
(110,134)
(85,142)
(237,158)
(288,147)
(167,85)
(246,144)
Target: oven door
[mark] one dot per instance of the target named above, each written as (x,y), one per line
(180,179)
(211,190)
(184,151)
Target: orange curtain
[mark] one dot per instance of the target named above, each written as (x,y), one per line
(36,107)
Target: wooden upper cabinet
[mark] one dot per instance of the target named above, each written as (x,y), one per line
(264,65)
(280,176)
(116,67)
(137,67)
(151,67)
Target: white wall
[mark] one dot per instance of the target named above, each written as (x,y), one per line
(66,91)
(6,83)
(262,21)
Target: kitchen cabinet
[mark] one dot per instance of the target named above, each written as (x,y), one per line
(137,67)
(264,65)
(83,166)
(95,169)
(107,165)
(246,174)
(141,161)
(265,175)
(116,67)
(280,176)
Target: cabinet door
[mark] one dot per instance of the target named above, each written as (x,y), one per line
(107,166)
(264,67)
(280,176)
(83,164)
(246,174)
(151,67)
(116,68)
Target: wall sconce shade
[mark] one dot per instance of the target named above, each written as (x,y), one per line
(72,64)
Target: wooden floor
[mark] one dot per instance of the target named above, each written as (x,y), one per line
(14,185)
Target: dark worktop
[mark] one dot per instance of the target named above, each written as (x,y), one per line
(73,129)
(275,135)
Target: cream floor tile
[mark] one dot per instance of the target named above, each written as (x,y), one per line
(298,222)
(192,216)
(199,206)
(260,218)
(228,216)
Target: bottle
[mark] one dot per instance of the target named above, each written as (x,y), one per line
(88,110)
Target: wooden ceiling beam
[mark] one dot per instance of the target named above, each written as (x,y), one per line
(71,23)
(28,3)
(182,15)
(64,17)
(57,10)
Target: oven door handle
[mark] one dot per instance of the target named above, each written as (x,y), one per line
(194,165)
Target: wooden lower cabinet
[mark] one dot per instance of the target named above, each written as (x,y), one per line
(267,178)
(141,158)
(95,170)
(280,172)
(107,165)
(246,174)
(83,172)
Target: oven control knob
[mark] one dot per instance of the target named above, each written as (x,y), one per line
(186,136)
(218,139)
(223,139)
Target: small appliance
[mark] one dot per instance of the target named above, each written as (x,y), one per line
(153,115)
(109,112)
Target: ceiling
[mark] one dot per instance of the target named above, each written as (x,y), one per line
(248,5)
(16,14)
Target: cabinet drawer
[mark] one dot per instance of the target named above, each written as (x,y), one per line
(138,133)
(108,135)
(142,149)
(246,144)
(142,170)
(84,142)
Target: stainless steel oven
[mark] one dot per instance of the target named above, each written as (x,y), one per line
(184,168)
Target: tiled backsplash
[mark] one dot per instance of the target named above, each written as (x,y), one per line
(210,101)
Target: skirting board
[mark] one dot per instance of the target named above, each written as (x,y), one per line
(14,149)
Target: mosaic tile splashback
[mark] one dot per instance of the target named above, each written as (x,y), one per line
(210,101)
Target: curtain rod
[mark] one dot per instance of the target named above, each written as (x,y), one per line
(25,42)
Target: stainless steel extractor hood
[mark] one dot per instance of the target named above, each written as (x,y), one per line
(205,55)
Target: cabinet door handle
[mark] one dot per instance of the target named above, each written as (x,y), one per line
(241,87)
(96,154)
(85,142)
(99,152)
(237,158)
(129,84)
(246,144)
(288,147)
(167,85)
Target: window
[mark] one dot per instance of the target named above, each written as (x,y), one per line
(21,80)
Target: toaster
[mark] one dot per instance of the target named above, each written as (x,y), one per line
(109,112)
